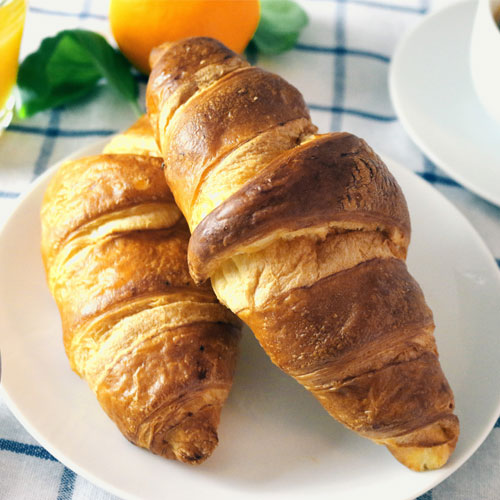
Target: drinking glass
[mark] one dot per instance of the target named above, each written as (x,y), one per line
(12,15)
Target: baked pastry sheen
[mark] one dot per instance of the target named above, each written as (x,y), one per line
(304,236)
(158,351)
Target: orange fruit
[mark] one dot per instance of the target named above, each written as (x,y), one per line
(140,25)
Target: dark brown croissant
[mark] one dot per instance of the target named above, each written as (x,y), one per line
(158,351)
(305,237)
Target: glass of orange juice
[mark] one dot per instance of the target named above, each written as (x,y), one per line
(12,14)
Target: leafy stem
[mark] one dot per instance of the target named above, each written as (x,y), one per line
(67,67)
(281,22)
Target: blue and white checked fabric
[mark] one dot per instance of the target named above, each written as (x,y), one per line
(341,65)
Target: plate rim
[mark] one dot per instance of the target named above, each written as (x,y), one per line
(441,474)
(396,99)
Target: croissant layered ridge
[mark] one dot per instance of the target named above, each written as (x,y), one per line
(158,350)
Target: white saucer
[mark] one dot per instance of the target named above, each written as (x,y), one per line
(433,95)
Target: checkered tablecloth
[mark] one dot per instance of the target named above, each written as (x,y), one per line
(341,65)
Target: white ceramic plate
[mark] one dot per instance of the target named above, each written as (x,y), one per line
(432,92)
(275,439)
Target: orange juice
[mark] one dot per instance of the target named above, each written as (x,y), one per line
(12,14)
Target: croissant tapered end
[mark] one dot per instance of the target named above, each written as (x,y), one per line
(157,52)
(193,440)
(136,140)
(428,448)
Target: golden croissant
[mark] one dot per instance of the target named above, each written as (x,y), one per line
(158,351)
(304,237)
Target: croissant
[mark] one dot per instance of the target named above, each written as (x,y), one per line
(304,237)
(158,351)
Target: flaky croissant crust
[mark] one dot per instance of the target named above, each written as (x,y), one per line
(304,236)
(158,350)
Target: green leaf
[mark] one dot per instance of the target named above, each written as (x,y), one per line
(68,66)
(281,22)
(110,62)
(252,53)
